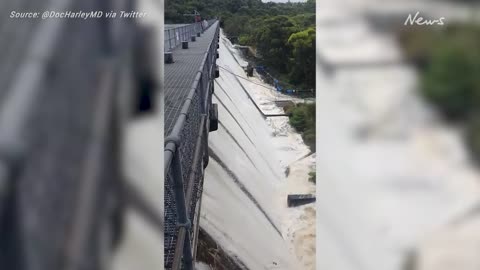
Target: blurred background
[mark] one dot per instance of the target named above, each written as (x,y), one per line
(79,105)
(398,135)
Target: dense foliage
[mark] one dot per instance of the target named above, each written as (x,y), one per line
(302,118)
(303,44)
(285,43)
(174,9)
(449,64)
(282,33)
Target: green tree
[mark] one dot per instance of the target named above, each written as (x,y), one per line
(235,25)
(302,118)
(449,62)
(302,65)
(271,41)
(452,81)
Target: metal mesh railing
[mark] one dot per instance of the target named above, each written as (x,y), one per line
(186,146)
(185,151)
(175,34)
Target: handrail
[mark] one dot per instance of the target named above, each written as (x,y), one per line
(90,135)
(172,141)
(173,37)
(17,105)
(20,99)
(183,185)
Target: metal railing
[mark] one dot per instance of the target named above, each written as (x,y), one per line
(60,134)
(186,156)
(175,34)
(55,123)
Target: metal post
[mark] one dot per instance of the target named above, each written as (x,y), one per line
(202,97)
(183,220)
(185,33)
(182,31)
(198,159)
